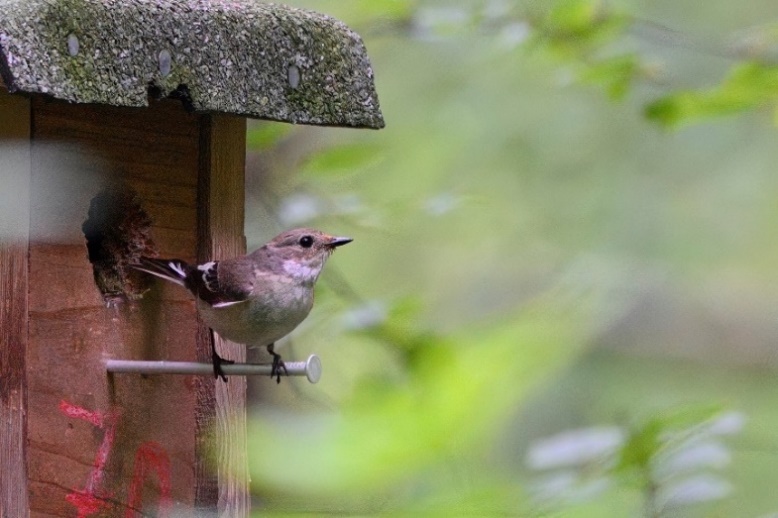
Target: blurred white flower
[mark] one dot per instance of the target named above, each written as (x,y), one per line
(575,447)
(370,314)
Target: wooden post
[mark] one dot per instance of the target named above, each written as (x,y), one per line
(221,215)
(15,175)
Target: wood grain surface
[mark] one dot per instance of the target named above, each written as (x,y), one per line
(103,445)
(75,441)
(14,174)
(223,152)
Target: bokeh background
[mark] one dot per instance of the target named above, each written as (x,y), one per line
(562,293)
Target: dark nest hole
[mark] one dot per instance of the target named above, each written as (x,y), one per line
(118,233)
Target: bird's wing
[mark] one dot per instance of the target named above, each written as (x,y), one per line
(208,282)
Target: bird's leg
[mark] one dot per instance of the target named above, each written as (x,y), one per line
(217,360)
(278,365)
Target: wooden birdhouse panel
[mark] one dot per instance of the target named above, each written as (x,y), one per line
(97,441)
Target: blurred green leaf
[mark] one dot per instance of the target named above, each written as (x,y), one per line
(615,73)
(346,158)
(264,135)
(573,28)
(642,444)
(749,86)
(574,17)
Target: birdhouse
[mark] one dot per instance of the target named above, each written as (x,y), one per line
(123,133)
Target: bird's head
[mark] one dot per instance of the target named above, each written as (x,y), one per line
(302,252)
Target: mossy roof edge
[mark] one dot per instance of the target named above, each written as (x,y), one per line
(241,57)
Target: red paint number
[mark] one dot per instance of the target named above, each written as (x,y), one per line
(149,456)
(91,500)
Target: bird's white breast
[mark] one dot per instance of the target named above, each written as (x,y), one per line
(301,271)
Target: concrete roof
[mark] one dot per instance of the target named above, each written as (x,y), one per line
(243,57)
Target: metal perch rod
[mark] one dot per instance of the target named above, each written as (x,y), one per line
(310,368)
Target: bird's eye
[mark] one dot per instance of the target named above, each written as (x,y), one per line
(306,241)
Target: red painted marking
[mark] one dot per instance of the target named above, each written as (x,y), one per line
(86,504)
(93,416)
(90,500)
(150,455)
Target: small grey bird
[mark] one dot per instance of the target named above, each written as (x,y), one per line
(258,298)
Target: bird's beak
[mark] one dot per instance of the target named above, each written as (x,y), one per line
(339,241)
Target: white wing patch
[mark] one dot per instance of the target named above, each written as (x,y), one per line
(206,268)
(227,304)
(176,267)
(209,270)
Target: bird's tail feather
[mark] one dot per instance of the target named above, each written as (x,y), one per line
(173,270)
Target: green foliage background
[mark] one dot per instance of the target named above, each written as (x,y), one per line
(568,221)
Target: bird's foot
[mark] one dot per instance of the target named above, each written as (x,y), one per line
(278,365)
(218,361)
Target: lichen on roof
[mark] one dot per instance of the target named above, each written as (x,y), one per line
(243,57)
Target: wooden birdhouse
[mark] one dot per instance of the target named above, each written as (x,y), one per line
(123,133)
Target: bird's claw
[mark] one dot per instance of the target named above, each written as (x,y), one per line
(278,365)
(217,368)
(218,361)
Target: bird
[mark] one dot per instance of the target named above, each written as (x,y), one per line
(258,298)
